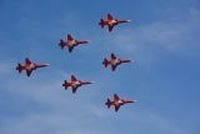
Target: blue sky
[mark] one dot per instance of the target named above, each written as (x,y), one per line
(163,40)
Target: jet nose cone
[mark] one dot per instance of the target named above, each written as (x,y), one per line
(134,101)
(128,20)
(89,41)
(92,82)
(47,64)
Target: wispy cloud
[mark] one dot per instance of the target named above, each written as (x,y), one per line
(41,105)
(47,107)
(177,35)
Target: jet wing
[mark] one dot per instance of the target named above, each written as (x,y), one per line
(28,72)
(113,56)
(114,68)
(74,89)
(28,61)
(69,37)
(70,49)
(73,78)
(116,97)
(117,108)
(109,17)
(110,28)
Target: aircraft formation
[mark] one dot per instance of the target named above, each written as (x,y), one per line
(70,43)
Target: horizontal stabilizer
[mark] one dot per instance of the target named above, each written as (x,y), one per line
(102,23)
(105,62)
(62,44)
(108,103)
(66,85)
(19,68)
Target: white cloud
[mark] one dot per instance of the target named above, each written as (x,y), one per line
(63,112)
(178,35)
(76,114)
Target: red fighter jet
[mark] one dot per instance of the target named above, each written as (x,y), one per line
(75,84)
(118,102)
(71,43)
(29,66)
(114,61)
(111,22)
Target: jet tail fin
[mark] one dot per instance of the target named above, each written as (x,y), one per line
(66,85)
(105,62)
(108,103)
(19,68)
(62,44)
(101,23)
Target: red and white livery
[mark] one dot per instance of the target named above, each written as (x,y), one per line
(111,22)
(29,66)
(114,61)
(118,102)
(70,43)
(75,84)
